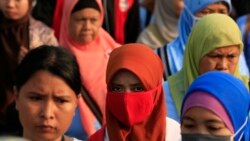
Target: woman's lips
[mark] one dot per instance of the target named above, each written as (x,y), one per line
(46,128)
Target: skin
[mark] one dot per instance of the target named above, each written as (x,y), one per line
(206,123)
(126,81)
(179,4)
(220,59)
(14,9)
(46,106)
(218,7)
(84,25)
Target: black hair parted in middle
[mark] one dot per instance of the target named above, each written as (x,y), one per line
(56,60)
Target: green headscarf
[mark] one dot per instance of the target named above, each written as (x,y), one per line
(211,32)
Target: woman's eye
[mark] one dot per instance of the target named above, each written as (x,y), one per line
(35,98)
(214,56)
(214,128)
(188,126)
(138,89)
(116,89)
(231,56)
(59,100)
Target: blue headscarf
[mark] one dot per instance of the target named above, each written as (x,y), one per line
(176,48)
(231,93)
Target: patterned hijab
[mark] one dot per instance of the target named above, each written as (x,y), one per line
(229,92)
(211,32)
(142,61)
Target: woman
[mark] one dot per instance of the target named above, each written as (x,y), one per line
(19,32)
(244,24)
(214,48)
(165,26)
(216,100)
(135,107)
(82,34)
(47,87)
(172,53)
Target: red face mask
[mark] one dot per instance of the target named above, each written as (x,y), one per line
(131,108)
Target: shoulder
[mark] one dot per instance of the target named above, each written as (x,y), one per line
(41,34)
(38,25)
(173,131)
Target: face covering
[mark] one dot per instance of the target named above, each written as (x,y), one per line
(204,137)
(131,108)
(194,18)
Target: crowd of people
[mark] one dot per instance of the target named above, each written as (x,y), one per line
(124,70)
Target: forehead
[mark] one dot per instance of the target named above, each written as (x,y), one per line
(217,5)
(46,83)
(125,76)
(227,49)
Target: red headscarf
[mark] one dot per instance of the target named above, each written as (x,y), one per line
(147,66)
(92,59)
(121,11)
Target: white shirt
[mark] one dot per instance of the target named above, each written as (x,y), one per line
(173,131)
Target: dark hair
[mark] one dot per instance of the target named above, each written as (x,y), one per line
(56,60)
(82,4)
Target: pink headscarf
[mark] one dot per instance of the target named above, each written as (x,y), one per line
(207,101)
(92,59)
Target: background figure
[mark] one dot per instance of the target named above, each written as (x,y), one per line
(172,53)
(47,87)
(220,119)
(82,34)
(43,11)
(135,108)
(242,7)
(214,48)
(165,25)
(244,24)
(18,33)
(122,20)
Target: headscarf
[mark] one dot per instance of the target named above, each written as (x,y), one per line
(176,48)
(204,100)
(92,59)
(231,94)
(164,27)
(13,35)
(147,66)
(211,32)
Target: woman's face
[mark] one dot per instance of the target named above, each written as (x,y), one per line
(206,123)
(14,9)
(218,7)
(84,25)
(220,59)
(126,81)
(46,106)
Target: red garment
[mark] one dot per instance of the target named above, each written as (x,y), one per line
(121,10)
(92,59)
(57,17)
(147,66)
(99,135)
